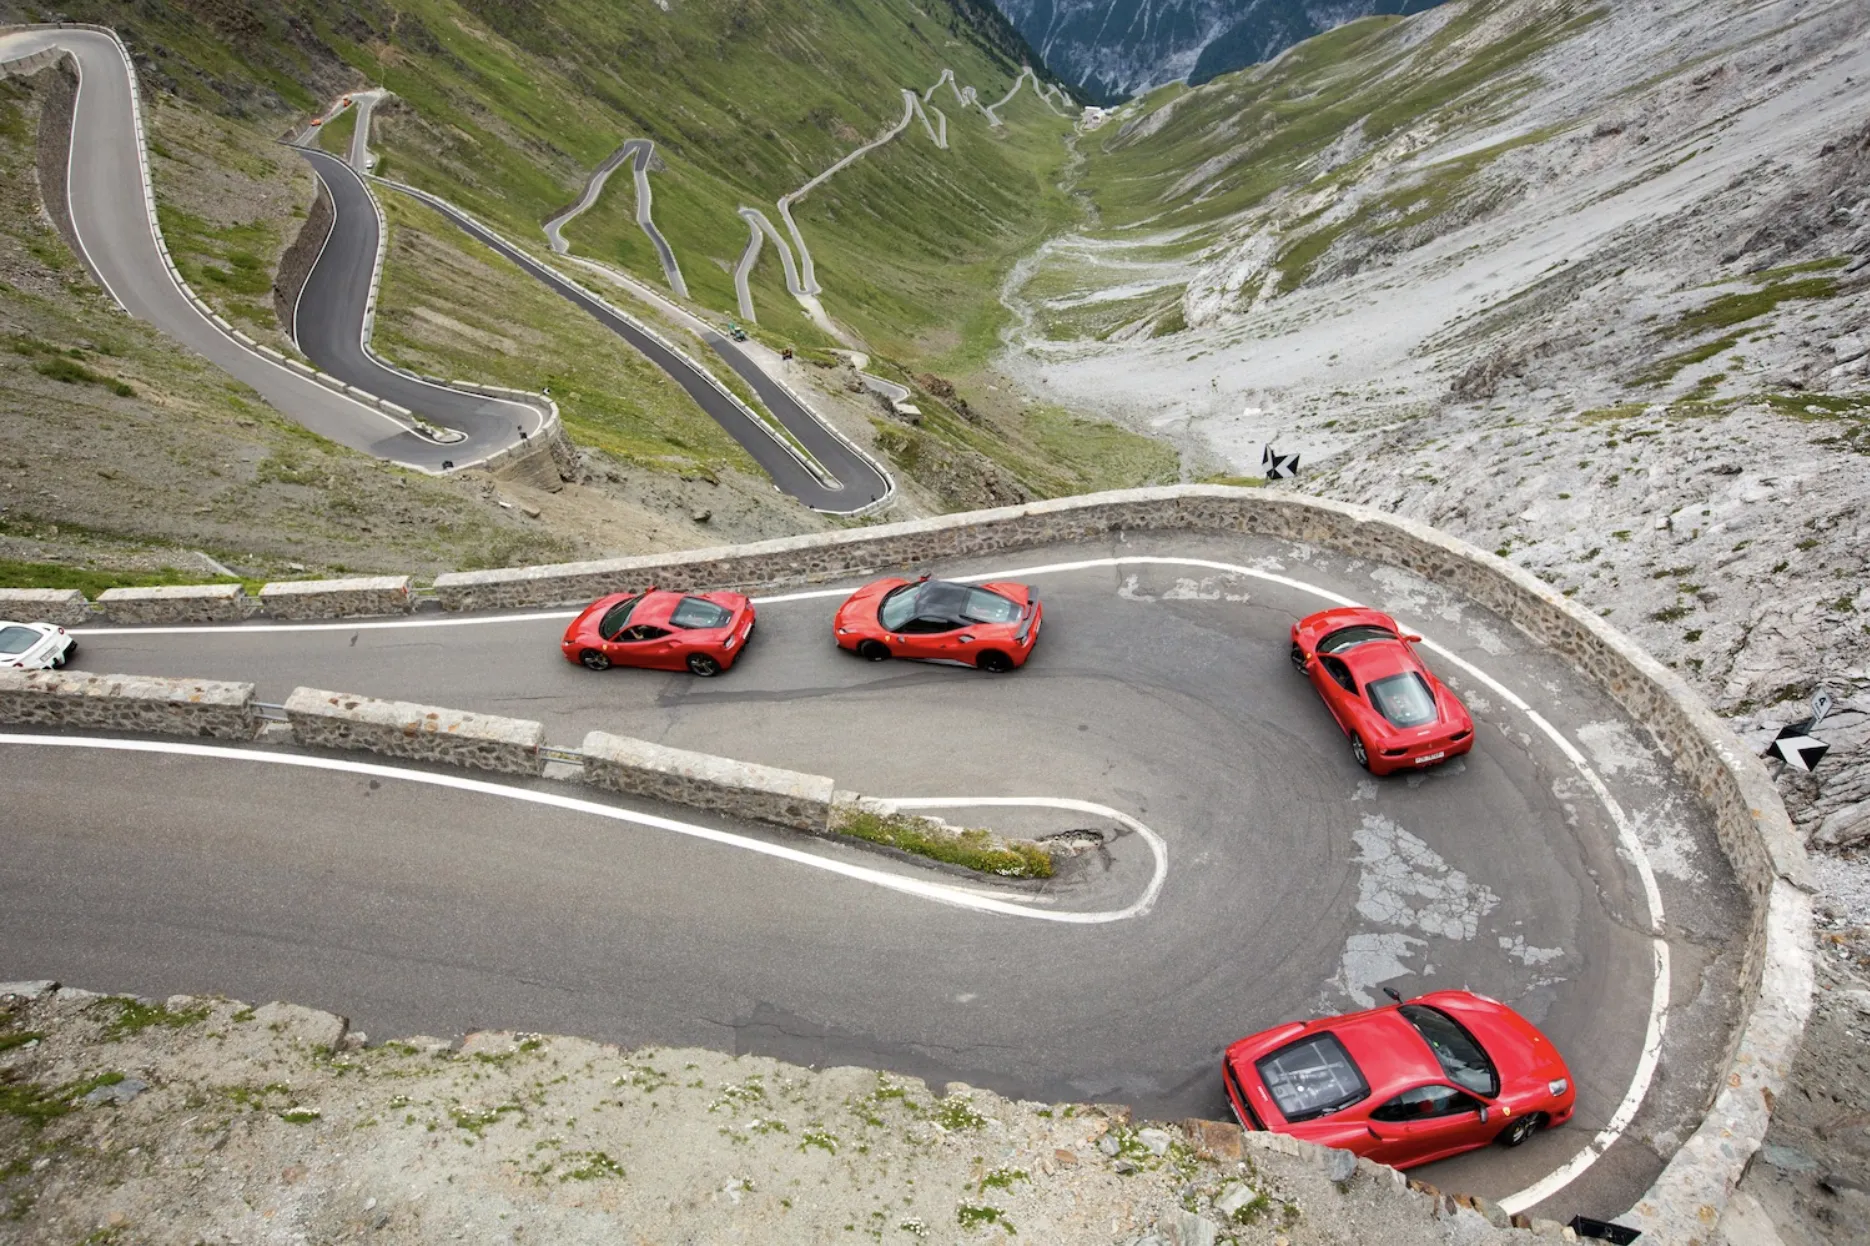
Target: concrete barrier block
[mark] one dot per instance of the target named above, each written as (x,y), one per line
(66,607)
(322,719)
(181,603)
(703,781)
(190,707)
(338,599)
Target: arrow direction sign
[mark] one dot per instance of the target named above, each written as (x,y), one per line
(1796,749)
(1276,466)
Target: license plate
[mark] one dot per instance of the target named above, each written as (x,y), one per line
(1426,758)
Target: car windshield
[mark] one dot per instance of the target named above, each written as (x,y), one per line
(615,618)
(1403,699)
(1461,1057)
(1312,1077)
(899,606)
(696,613)
(17,639)
(1349,638)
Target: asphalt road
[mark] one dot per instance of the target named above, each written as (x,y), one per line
(1295,884)
(118,244)
(639,151)
(328,324)
(856,481)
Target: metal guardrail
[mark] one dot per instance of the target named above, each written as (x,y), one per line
(268,712)
(570,756)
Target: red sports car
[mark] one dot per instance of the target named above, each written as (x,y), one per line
(1403,1084)
(664,631)
(1397,714)
(992,626)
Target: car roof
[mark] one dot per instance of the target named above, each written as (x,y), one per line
(1374,659)
(1387,1049)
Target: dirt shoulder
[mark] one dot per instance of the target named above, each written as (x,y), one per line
(206,1119)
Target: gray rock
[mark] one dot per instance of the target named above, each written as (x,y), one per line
(1107,1144)
(1786,1159)
(1233,1198)
(1156,1141)
(1339,1165)
(1185,1228)
(117,1092)
(28,990)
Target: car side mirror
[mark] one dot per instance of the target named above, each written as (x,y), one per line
(1414,640)
(1483,1114)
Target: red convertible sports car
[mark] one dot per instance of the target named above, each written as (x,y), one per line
(1403,1084)
(992,626)
(1397,714)
(664,631)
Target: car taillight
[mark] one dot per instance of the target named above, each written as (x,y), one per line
(1459,736)
(1394,752)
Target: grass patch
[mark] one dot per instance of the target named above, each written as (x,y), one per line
(1663,370)
(974,849)
(1734,309)
(16,574)
(19,1039)
(134,1016)
(335,135)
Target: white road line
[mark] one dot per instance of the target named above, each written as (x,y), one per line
(1628,840)
(939,893)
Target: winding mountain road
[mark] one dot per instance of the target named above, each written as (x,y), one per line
(113,216)
(419,901)
(640,151)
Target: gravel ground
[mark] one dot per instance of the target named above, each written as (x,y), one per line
(205,1120)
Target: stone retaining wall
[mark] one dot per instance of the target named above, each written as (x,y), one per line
(337,599)
(703,781)
(146,703)
(182,603)
(63,606)
(337,720)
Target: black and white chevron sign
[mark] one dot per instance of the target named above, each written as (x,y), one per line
(1796,749)
(1276,466)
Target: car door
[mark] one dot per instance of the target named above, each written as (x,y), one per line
(1425,1123)
(1336,686)
(926,637)
(648,646)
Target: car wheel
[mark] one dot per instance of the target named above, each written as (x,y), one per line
(873,651)
(1359,753)
(994,662)
(1298,658)
(703,665)
(593,660)
(1522,1129)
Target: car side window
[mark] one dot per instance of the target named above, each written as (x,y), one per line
(1425,1103)
(1340,673)
(642,631)
(925,626)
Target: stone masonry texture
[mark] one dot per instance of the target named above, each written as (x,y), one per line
(703,781)
(78,699)
(63,606)
(337,599)
(183,603)
(337,720)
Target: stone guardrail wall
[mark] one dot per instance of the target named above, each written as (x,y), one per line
(191,603)
(63,606)
(142,703)
(337,720)
(704,781)
(1766,855)
(337,599)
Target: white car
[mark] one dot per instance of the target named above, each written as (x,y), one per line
(34,646)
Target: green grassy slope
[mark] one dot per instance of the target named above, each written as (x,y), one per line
(1256,131)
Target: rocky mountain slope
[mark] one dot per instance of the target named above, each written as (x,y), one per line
(1112,49)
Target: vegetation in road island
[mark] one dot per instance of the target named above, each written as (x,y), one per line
(925,837)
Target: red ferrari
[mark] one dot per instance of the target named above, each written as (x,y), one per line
(1397,714)
(660,630)
(991,626)
(1403,1084)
